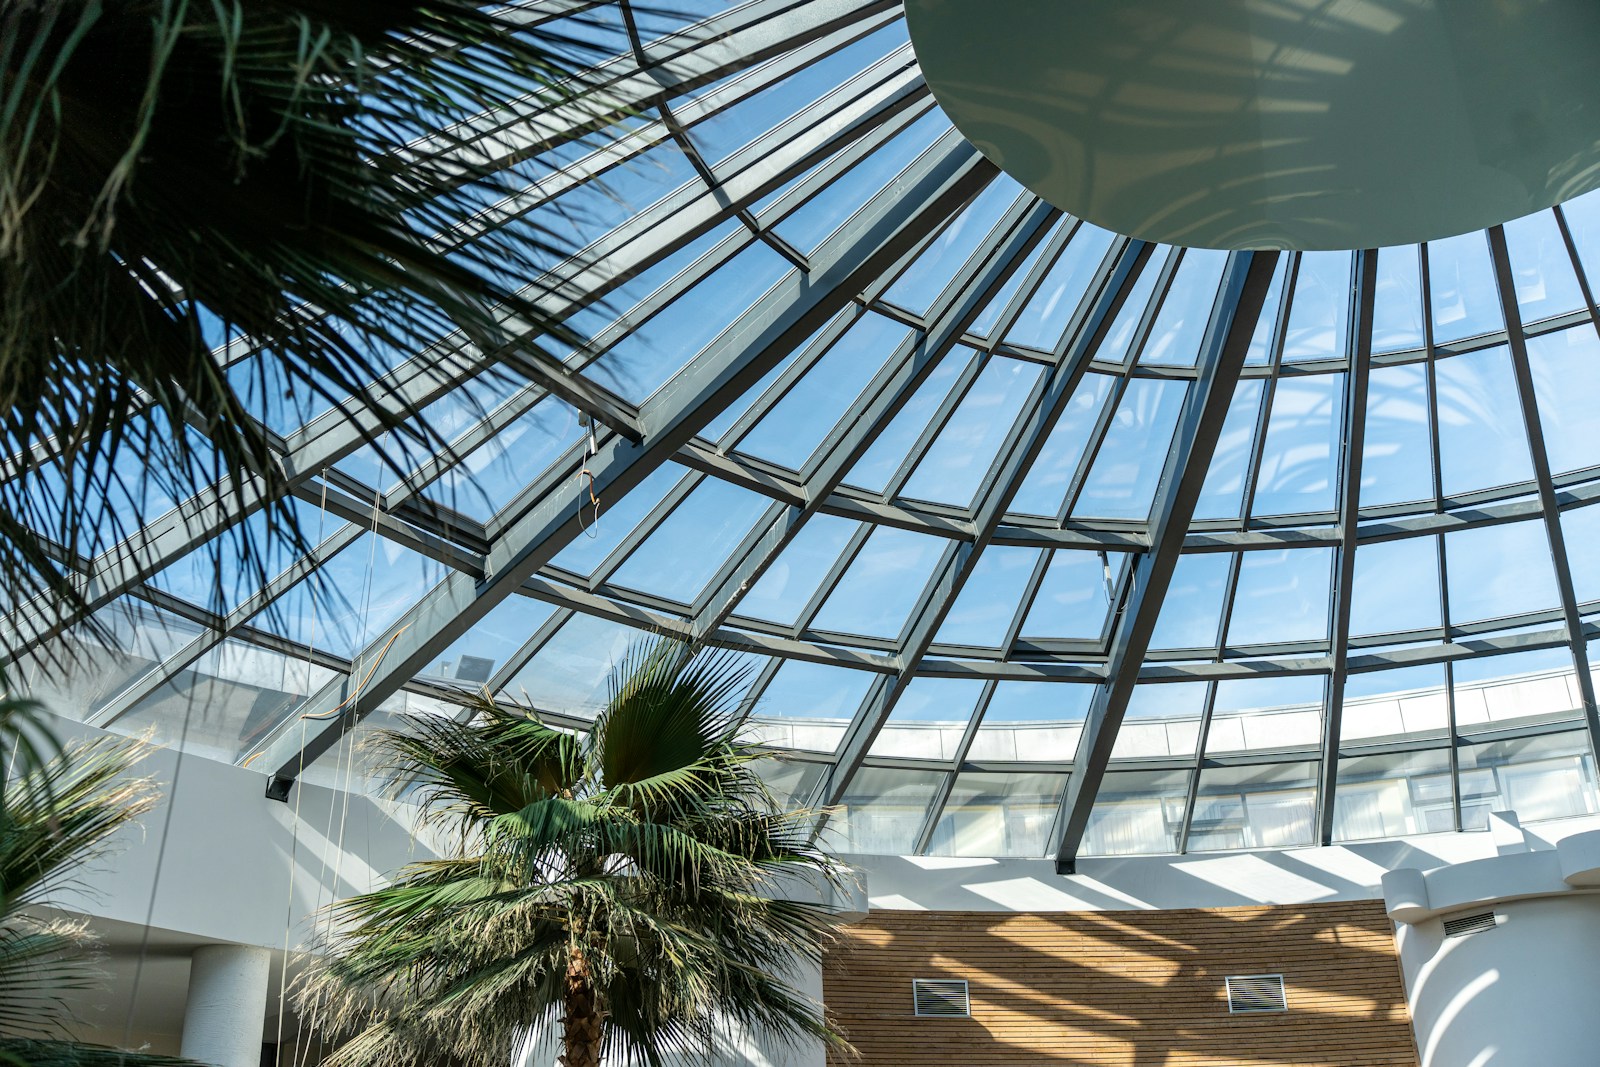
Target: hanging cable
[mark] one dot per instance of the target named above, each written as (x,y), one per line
(586,482)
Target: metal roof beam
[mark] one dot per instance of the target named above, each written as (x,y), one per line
(1222,353)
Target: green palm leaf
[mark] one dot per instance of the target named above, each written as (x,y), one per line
(639,887)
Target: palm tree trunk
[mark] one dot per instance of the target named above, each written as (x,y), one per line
(581,1026)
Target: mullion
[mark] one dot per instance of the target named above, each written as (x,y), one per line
(1201,741)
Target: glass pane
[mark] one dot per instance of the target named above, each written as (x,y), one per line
(1122,483)
(1254,807)
(1482,442)
(988,602)
(1223,493)
(1461,279)
(808,706)
(1580,529)
(788,584)
(883,458)
(998,815)
(1497,571)
(1566,382)
(956,463)
(1282,596)
(1397,300)
(1265,714)
(1320,311)
(1191,612)
(1052,305)
(1549,777)
(1044,486)
(929,719)
(1299,460)
(685,549)
(1397,446)
(1393,794)
(1136,813)
(1497,691)
(882,584)
(1396,586)
(1162,721)
(1541,270)
(1181,323)
(1074,599)
(1032,721)
(883,811)
(1408,702)
(924,280)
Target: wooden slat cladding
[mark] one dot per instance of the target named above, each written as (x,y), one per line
(1125,988)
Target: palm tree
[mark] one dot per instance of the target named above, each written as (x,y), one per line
(218,215)
(58,811)
(639,885)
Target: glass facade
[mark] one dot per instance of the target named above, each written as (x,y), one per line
(908,439)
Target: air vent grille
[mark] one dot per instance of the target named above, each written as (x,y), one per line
(1476,923)
(946,997)
(1256,992)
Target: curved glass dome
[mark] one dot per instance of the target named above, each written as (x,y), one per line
(1039,541)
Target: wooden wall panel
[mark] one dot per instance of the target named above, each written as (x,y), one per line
(1125,988)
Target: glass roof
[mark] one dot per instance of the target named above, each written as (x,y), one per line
(1018,566)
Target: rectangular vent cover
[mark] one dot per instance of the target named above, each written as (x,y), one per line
(945,997)
(1462,925)
(1256,992)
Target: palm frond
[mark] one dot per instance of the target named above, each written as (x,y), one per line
(218,217)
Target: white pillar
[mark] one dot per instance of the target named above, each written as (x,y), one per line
(225,1018)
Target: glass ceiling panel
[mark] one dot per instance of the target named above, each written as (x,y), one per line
(955,465)
(1122,483)
(1450,533)
(1319,315)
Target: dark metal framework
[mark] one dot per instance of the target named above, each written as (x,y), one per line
(876,213)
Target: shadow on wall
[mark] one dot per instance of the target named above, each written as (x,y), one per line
(1142,989)
(1216,880)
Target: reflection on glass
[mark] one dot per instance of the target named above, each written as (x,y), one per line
(1461,280)
(1541,270)
(1037,722)
(883,811)
(1281,596)
(1272,806)
(1407,702)
(1261,714)
(1136,813)
(1548,777)
(807,706)
(1320,311)
(1482,443)
(1495,571)
(1162,721)
(1397,300)
(1397,444)
(929,719)
(1181,323)
(1393,794)
(1396,586)
(1299,460)
(1492,692)
(998,815)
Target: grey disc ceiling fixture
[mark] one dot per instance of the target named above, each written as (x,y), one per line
(1319,124)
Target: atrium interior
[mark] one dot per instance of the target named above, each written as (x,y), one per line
(1138,617)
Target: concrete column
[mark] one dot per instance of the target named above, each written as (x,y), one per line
(225,1018)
